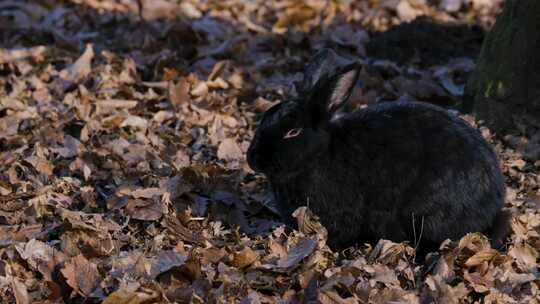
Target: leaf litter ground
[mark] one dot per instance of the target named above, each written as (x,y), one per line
(122,153)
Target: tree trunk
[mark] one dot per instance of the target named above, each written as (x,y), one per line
(504,89)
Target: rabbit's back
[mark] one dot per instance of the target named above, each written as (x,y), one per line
(396,164)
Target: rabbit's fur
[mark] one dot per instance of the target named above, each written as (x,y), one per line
(399,171)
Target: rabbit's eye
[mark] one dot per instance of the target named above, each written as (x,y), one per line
(293,133)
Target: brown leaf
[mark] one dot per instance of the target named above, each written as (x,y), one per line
(388,252)
(41,257)
(127,296)
(80,68)
(303,248)
(146,210)
(72,147)
(89,243)
(308,223)
(385,275)
(178,229)
(525,255)
(20,291)
(179,92)
(82,275)
(474,241)
(111,105)
(296,14)
(212,255)
(144,192)
(157,9)
(125,264)
(406,12)
(7,55)
(482,256)
(93,222)
(332,297)
(165,261)
(244,258)
(479,282)
(445,292)
(229,150)
(135,122)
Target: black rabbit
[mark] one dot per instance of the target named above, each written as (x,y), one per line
(400,171)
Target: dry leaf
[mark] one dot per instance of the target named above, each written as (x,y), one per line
(229,150)
(20,291)
(482,256)
(303,248)
(146,210)
(165,261)
(244,258)
(126,296)
(179,92)
(80,68)
(41,257)
(82,275)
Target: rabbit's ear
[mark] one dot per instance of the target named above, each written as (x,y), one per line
(319,66)
(341,87)
(331,93)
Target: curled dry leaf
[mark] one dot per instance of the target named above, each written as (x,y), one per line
(71,148)
(92,222)
(443,291)
(179,92)
(145,192)
(41,257)
(526,256)
(474,242)
(385,275)
(296,253)
(176,228)
(480,257)
(229,150)
(145,209)
(388,252)
(164,261)
(80,68)
(20,291)
(127,296)
(308,222)
(82,275)
(36,52)
(244,257)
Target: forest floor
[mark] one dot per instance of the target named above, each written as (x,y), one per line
(122,153)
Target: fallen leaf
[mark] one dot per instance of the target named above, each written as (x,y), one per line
(146,210)
(82,275)
(11,55)
(81,68)
(20,291)
(165,261)
(229,150)
(127,296)
(525,255)
(244,258)
(41,257)
(179,92)
(303,248)
(482,256)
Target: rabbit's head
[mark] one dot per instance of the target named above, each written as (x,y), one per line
(293,133)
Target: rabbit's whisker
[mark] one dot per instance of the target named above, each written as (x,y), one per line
(417,241)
